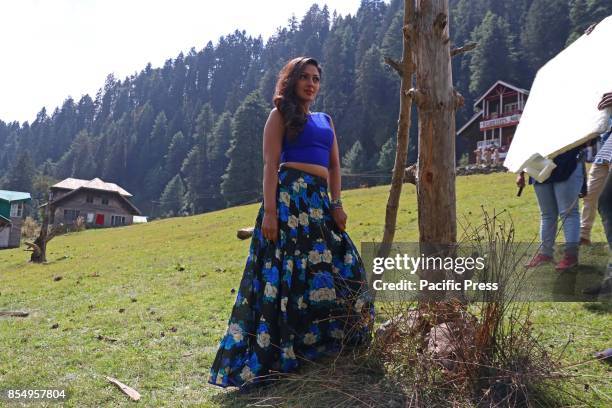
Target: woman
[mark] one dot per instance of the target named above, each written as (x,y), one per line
(303,292)
(558,198)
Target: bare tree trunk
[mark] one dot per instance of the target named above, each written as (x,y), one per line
(436,101)
(39,247)
(405,68)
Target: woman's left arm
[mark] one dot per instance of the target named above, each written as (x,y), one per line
(335,183)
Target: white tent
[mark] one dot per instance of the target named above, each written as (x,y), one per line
(561,112)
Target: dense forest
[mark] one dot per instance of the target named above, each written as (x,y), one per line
(185,138)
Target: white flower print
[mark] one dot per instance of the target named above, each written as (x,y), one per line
(284,197)
(337,333)
(246,374)
(299,183)
(316,213)
(301,304)
(292,222)
(303,219)
(263,339)
(348,259)
(304,263)
(358,305)
(310,338)
(289,264)
(235,331)
(314,257)
(268,265)
(335,236)
(322,294)
(288,352)
(327,256)
(270,291)
(284,304)
(277,254)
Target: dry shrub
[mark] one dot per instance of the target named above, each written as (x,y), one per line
(30,228)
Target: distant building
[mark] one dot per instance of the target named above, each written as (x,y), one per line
(100,204)
(12,206)
(498,112)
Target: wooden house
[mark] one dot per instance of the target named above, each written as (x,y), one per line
(12,206)
(498,112)
(101,204)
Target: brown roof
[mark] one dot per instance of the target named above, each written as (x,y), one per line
(135,211)
(95,184)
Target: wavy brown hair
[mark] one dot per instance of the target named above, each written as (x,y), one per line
(285,99)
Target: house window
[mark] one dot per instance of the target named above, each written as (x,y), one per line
(71,215)
(17,210)
(511,107)
(117,220)
(105,200)
(90,218)
(89,198)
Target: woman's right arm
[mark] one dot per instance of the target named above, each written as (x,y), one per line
(272,144)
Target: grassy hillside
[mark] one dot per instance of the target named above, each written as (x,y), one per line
(147,304)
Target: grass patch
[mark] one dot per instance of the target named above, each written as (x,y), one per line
(147,304)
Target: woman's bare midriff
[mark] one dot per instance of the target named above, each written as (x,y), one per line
(308,168)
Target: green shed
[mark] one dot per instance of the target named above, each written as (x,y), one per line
(12,206)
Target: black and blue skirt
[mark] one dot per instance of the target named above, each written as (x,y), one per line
(300,298)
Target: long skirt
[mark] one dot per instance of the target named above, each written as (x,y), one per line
(300,298)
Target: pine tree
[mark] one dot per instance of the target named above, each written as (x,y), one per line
(177,152)
(545,32)
(494,58)
(242,180)
(20,177)
(218,145)
(386,159)
(171,200)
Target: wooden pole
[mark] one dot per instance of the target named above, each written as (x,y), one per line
(405,69)
(436,101)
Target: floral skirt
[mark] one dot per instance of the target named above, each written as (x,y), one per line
(300,298)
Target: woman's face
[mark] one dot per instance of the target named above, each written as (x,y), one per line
(307,85)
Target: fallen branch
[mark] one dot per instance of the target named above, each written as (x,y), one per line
(13,313)
(130,392)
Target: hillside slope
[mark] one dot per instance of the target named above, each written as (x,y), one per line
(148,303)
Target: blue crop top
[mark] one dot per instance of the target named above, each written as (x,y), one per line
(313,144)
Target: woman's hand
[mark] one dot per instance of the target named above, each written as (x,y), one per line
(339,217)
(269,226)
(520,180)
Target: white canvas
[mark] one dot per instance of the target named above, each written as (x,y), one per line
(561,112)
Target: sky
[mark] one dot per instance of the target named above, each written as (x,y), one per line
(51,49)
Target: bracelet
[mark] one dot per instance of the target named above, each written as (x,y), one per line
(335,204)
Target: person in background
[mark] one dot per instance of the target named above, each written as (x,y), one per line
(496,156)
(558,199)
(477,155)
(487,156)
(605,208)
(595,184)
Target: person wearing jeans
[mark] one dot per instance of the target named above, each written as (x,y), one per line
(558,199)
(596,181)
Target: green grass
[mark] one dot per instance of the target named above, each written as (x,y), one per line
(147,304)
